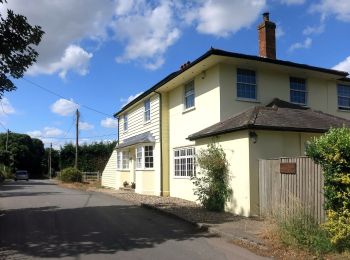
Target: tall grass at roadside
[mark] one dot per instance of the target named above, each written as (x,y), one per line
(298,228)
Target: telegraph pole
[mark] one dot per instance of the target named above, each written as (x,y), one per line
(50,161)
(76,139)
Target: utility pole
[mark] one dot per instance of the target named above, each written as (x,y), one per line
(76,139)
(50,161)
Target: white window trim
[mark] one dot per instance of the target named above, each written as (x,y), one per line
(297,90)
(184,97)
(342,108)
(185,157)
(127,122)
(120,166)
(145,111)
(143,163)
(254,100)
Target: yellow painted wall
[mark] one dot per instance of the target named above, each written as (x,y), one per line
(273,144)
(322,93)
(182,124)
(165,189)
(236,147)
(146,182)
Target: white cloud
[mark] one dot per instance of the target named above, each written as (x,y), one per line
(343,65)
(129,99)
(314,29)
(85,126)
(64,107)
(301,45)
(109,122)
(279,31)
(340,9)
(65,23)
(147,32)
(47,132)
(223,17)
(292,2)
(74,58)
(6,108)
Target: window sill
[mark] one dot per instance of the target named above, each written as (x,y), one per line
(343,110)
(188,110)
(248,100)
(182,177)
(123,170)
(144,169)
(147,122)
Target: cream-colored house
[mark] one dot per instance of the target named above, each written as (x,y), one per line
(161,130)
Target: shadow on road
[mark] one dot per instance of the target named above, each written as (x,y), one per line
(54,232)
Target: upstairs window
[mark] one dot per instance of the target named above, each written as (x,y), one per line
(125,122)
(189,95)
(298,93)
(343,96)
(119,160)
(147,110)
(246,84)
(184,160)
(144,157)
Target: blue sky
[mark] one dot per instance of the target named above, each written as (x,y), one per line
(100,54)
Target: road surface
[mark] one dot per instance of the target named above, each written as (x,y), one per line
(39,219)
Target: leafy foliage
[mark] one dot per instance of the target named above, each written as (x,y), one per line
(332,152)
(24,153)
(92,157)
(71,175)
(16,48)
(212,184)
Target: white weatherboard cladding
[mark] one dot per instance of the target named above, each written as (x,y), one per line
(109,174)
(136,123)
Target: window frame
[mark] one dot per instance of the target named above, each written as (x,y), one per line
(298,90)
(344,108)
(184,162)
(147,110)
(255,85)
(126,160)
(142,149)
(188,94)
(125,122)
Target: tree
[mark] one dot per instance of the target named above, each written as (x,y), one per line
(16,48)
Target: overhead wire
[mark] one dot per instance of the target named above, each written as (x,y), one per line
(61,96)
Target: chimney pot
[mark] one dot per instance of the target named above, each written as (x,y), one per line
(266,16)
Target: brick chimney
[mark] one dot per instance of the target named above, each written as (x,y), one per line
(267,39)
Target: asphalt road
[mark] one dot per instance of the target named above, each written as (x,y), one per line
(39,219)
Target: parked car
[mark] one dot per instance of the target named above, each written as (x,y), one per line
(21,175)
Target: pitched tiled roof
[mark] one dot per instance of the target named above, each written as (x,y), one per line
(137,139)
(278,115)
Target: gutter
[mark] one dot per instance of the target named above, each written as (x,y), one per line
(161,143)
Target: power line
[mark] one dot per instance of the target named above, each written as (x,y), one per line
(73,138)
(59,95)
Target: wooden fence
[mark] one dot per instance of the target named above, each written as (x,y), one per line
(289,184)
(91,176)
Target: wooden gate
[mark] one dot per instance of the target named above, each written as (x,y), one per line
(291,184)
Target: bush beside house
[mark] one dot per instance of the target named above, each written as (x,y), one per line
(71,175)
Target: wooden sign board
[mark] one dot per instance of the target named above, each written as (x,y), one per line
(288,168)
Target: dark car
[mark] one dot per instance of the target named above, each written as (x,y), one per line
(21,175)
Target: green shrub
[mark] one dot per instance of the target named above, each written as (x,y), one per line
(71,175)
(212,184)
(332,152)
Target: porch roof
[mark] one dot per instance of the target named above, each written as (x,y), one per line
(278,115)
(146,137)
